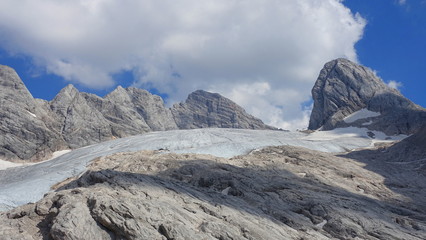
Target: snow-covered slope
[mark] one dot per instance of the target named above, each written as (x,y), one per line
(25,184)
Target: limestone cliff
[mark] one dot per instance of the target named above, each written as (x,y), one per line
(344,88)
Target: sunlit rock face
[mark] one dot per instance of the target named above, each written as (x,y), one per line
(28,129)
(204,109)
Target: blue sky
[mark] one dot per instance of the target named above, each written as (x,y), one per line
(266,57)
(394,43)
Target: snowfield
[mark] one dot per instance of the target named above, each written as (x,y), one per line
(23,184)
(360,114)
(6,164)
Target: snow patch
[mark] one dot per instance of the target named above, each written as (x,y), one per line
(226,191)
(6,164)
(32,114)
(58,154)
(353,133)
(321,224)
(367,123)
(361,114)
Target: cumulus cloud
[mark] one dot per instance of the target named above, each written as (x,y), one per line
(265,55)
(394,84)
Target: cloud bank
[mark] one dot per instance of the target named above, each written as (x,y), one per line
(263,54)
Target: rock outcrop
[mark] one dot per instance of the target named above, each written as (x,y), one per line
(33,128)
(81,124)
(28,130)
(204,109)
(273,193)
(344,88)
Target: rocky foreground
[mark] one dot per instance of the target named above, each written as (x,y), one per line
(273,193)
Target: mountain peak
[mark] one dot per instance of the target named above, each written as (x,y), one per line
(11,84)
(66,94)
(70,88)
(205,109)
(344,88)
(201,93)
(119,94)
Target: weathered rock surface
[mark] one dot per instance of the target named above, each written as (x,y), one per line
(28,130)
(81,124)
(33,128)
(204,109)
(344,87)
(274,193)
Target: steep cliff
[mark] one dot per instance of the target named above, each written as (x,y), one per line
(348,94)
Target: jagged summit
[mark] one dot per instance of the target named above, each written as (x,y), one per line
(33,128)
(204,109)
(344,88)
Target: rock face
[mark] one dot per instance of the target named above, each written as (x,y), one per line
(344,88)
(204,109)
(33,129)
(28,130)
(273,193)
(88,119)
(81,124)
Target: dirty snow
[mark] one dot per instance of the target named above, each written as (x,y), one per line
(361,114)
(24,184)
(6,164)
(58,154)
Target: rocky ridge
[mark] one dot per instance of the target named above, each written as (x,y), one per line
(344,88)
(32,129)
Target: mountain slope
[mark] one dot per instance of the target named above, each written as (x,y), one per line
(344,88)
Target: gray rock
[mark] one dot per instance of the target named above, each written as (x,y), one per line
(204,109)
(118,110)
(138,105)
(344,87)
(28,130)
(82,125)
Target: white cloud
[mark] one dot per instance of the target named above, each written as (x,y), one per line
(265,55)
(402,2)
(394,84)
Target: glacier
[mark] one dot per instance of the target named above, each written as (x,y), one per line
(28,183)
